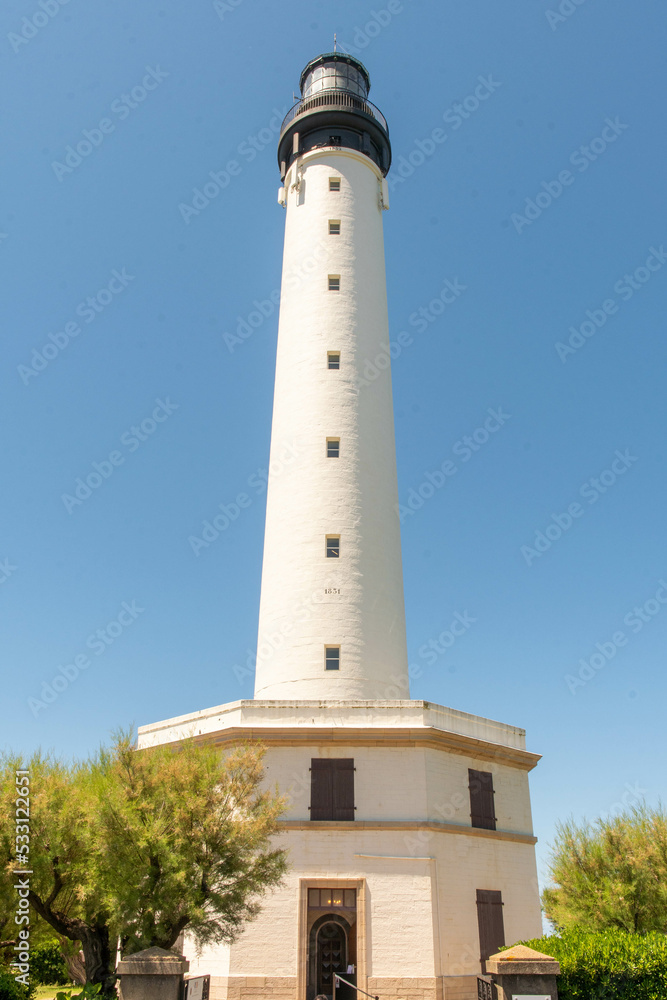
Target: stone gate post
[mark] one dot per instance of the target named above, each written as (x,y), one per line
(521,972)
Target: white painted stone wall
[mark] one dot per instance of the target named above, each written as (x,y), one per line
(421,883)
(422,914)
(307,600)
(404,783)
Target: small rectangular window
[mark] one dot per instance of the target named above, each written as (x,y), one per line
(334,282)
(332,658)
(334,227)
(333,546)
(333,447)
(334,183)
(333,360)
(321,899)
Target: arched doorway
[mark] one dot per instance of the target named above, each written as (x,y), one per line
(329,951)
(331,955)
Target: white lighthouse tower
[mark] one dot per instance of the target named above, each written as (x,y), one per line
(409,826)
(332,620)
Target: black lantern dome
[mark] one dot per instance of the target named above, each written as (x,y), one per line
(334,111)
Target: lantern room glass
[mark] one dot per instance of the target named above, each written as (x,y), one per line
(335,75)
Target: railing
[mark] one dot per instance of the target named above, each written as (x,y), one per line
(339,979)
(486,990)
(334,99)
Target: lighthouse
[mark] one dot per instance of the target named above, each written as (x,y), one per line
(332,619)
(408,825)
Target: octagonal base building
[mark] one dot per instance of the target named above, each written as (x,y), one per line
(409,825)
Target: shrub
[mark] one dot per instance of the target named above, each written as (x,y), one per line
(47,965)
(11,990)
(608,965)
(88,992)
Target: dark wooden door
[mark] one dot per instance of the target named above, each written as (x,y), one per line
(490,920)
(331,956)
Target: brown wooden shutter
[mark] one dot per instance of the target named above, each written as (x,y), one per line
(331,788)
(490,922)
(482,807)
(343,789)
(321,789)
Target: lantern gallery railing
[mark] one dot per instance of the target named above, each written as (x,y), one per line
(334,99)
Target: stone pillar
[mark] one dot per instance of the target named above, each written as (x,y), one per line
(152,974)
(523,972)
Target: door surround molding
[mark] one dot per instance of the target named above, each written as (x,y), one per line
(325,882)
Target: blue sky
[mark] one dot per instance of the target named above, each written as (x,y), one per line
(543,205)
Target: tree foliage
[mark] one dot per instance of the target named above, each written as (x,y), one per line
(142,844)
(187,842)
(47,965)
(10,989)
(611,873)
(608,965)
(64,855)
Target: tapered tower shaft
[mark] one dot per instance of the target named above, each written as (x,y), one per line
(332,619)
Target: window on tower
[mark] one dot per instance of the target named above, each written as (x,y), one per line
(333,447)
(334,282)
(334,227)
(333,547)
(334,183)
(332,657)
(333,360)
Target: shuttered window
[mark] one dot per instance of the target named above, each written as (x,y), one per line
(482,809)
(490,921)
(332,788)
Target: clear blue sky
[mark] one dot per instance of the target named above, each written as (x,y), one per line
(183,89)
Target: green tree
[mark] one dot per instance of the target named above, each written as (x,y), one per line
(144,844)
(65,855)
(610,873)
(187,841)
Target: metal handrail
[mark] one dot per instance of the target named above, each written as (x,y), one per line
(357,988)
(334,98)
